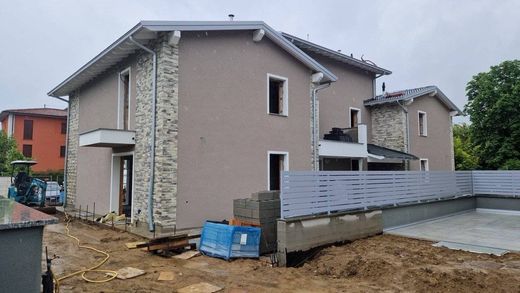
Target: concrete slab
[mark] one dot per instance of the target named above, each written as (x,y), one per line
(492,230)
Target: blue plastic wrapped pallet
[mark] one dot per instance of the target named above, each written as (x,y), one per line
(225,241)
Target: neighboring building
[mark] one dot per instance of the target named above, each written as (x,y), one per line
(235,105)
(39,134)
(417,121)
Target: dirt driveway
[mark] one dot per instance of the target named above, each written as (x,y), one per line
(381,263)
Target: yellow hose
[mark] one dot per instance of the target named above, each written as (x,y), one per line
(112,274)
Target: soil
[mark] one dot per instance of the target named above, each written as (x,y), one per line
(380,263)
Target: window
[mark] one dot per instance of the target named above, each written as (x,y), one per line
(354,116)
(27,150)
(276,164)
(62,151)
(424,165)
(27,129)
(277,95)
(423,123)
(63,127)
(124,99)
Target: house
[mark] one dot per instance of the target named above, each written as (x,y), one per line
(175,119)
(39,134)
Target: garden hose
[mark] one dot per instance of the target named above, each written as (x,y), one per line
(111,274)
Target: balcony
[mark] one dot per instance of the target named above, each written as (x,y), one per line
(103,137)
(345,142)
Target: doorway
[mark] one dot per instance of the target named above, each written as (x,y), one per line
(277,163)
(122,187)
(125,185)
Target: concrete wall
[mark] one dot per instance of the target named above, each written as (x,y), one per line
(22,250)
(437,147)
(497,203)
(407,214)
(306,233)
(224,129)
(352,88)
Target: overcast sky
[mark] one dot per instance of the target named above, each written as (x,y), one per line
(441,43)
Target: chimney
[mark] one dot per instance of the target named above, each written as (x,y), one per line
(231,16)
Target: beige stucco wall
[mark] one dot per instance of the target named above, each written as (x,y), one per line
(352,88)
(437,147)
(224,129)
(98,106)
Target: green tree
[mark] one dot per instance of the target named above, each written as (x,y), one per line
(465,158)
(8,153)
(494,108)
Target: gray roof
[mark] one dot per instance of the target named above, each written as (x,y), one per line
(409,94)
(123,47)
(335,55)
(389,153)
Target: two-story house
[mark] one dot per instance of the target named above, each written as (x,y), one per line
(39,134)
(175,119)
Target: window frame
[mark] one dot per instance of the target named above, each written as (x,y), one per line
(285,99)
(120,98)
(350,116)
(25,136)
(424,133)
(285,165)
(30,150)
(427,164)
(64,149)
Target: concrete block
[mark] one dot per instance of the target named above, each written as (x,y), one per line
(239,203)
(263,195)
(243,212)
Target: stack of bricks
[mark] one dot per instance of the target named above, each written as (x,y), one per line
(262,210)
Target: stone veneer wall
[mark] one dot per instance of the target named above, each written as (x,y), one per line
(72,151)
(165,183)
(389,127)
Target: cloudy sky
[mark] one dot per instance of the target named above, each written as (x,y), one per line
(425,42)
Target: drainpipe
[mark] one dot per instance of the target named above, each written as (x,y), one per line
(407,129)
(314,118)
(66,152)
(151,224)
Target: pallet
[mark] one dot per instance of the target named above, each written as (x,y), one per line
(168,243)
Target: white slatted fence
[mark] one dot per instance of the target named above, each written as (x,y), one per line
(307,192)
(496,183)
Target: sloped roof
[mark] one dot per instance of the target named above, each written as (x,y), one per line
(389,153)
(123,48)
(46,112)
(409,94)
(335,55)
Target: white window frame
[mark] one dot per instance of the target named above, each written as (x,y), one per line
(285,165)
(350,116)
(285,101)
(120,97)
(426,165)
(425,123)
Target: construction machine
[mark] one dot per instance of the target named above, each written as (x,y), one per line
(26,189)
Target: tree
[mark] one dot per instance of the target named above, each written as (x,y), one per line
(8,153)
(494,107)
(465,158)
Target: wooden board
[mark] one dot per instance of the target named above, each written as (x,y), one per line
(133,245)
(169,245)
(202,287)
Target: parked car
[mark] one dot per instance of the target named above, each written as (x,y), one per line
(53,193)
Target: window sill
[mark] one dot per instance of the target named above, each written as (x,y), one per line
(422,135)
(278,115)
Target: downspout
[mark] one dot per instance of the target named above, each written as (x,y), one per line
(66,152)
(315,135)
(407,128)
(151,224)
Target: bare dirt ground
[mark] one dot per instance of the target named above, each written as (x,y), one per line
(381,263)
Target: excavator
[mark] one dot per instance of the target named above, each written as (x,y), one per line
(26,189)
